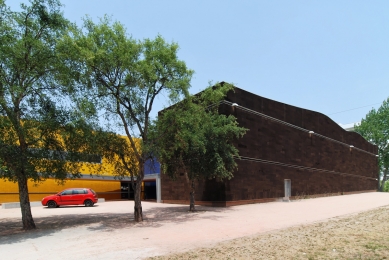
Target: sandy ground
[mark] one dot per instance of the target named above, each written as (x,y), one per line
(107,231)
(356,236)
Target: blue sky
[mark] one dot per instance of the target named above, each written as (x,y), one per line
(326,56)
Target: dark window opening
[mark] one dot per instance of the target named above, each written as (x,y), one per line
(150,190)
(127,191)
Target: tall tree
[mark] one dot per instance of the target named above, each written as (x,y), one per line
(39,134)
(123,77)
(375,129)
(194,139)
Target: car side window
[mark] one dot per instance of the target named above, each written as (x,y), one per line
(67,192)
(78,191)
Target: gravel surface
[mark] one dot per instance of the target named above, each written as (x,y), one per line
(107,231)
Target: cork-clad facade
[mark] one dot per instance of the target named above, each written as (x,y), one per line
(284,142)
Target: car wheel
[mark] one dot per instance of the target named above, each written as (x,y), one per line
(51,204)
(88,203)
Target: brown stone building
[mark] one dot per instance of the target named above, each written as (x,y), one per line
(284,142)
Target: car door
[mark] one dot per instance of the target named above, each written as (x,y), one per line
(66,197)
(78,196)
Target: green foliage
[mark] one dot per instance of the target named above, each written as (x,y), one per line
(386,187)
(122,77)
(41,131)
(35,123)
(2,167)
(48,148)
(193,138)
(375,128)
(117,152)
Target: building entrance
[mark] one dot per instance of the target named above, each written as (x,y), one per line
(127,190)
(148,192)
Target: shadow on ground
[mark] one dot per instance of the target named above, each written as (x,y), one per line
(11,232)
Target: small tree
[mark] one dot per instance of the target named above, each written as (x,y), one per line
(39,133)
(194,139)
(386,187)
(375,129)
(123,77)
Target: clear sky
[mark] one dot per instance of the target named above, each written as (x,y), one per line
(326,56)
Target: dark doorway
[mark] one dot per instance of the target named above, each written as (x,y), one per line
(127,191)
(150,190)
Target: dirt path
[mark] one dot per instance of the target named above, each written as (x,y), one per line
(107,230)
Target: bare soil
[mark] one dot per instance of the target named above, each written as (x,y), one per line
(360,236)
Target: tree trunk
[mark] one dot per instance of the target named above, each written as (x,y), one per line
(382,186)
(192,196)
(138,215)
(28,221)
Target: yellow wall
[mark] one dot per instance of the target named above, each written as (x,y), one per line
(108,189)
(9,190)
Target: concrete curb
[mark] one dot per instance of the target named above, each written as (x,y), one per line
(13,205)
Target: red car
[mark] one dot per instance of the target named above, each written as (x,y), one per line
(75,196)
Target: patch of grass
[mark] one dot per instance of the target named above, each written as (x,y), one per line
(376,246)
(361,236)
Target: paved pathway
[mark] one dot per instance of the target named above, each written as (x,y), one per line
(107,230)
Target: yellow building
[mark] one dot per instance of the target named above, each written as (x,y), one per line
(97,174)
